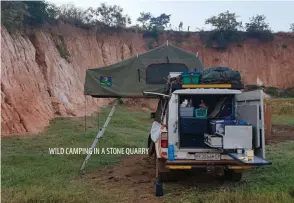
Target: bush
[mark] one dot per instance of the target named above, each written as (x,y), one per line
(223,38)
(17,15)
(259,29)
(225,32)
(61,47)
(12,14)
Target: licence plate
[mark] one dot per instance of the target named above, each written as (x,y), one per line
(207,156)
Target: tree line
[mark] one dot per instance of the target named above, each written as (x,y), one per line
(20,14)
(227,29)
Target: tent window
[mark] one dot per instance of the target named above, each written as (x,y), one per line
(156,73)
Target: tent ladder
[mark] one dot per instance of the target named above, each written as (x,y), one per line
(99,134)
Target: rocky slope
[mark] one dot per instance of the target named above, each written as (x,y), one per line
(39,82)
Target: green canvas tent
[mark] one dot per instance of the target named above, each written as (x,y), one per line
(144,72)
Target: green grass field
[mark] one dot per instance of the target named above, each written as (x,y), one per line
(30,174)
(282,111)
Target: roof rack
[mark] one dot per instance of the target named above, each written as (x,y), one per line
(174,86)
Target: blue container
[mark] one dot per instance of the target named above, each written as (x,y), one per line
(201,113)
(190,77)
(241,122)
(171,152)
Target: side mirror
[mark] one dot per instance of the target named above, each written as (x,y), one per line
(152,115)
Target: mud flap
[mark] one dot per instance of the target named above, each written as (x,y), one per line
(256,161)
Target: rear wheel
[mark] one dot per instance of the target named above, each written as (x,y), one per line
(230,175)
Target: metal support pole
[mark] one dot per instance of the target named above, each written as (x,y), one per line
(99,135)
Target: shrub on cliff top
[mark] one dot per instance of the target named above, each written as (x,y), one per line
(22,14)
(226,30)
(153,27)
(12,14)
(259,29)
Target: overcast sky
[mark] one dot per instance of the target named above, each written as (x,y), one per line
(279,14)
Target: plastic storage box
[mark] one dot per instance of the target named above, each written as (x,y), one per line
(201,113)
(190,77)
(186,111)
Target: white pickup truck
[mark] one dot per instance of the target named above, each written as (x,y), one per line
(191,142)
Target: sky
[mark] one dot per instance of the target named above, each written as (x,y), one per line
(279,14)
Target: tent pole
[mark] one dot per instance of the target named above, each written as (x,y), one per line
(99,134)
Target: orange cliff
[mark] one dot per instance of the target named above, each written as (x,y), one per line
(37,84)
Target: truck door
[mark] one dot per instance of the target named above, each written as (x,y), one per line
(249,107)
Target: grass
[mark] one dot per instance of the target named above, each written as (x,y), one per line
(269,184)
(30,174)
(282,111)
(283,119)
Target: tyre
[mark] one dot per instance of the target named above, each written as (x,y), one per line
(164,176)
(231,175)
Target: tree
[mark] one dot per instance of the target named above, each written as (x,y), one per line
(225,32)
(71,14)
(37,12)
(112,15)
(13,14)
(259,29)
(180,26)
(53,12)
(144,19)
(19,14)
(292,27)
(257,24)
(224,21)
(160,22)
(150,22)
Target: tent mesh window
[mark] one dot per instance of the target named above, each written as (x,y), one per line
(157,73)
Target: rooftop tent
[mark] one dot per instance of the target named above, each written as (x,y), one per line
(145,72)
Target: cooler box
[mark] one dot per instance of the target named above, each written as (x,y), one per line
(218,125)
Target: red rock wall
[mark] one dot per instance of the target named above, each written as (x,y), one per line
(38,84)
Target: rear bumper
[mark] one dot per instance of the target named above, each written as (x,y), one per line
(190,164)
(201,162)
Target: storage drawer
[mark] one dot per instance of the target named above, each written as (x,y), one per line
(213,141)
(193,125)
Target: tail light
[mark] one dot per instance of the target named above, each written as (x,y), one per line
(164,142)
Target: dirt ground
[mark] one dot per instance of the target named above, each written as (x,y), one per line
(281,133)
(132,179)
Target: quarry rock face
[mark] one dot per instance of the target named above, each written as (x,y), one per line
(43,72)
